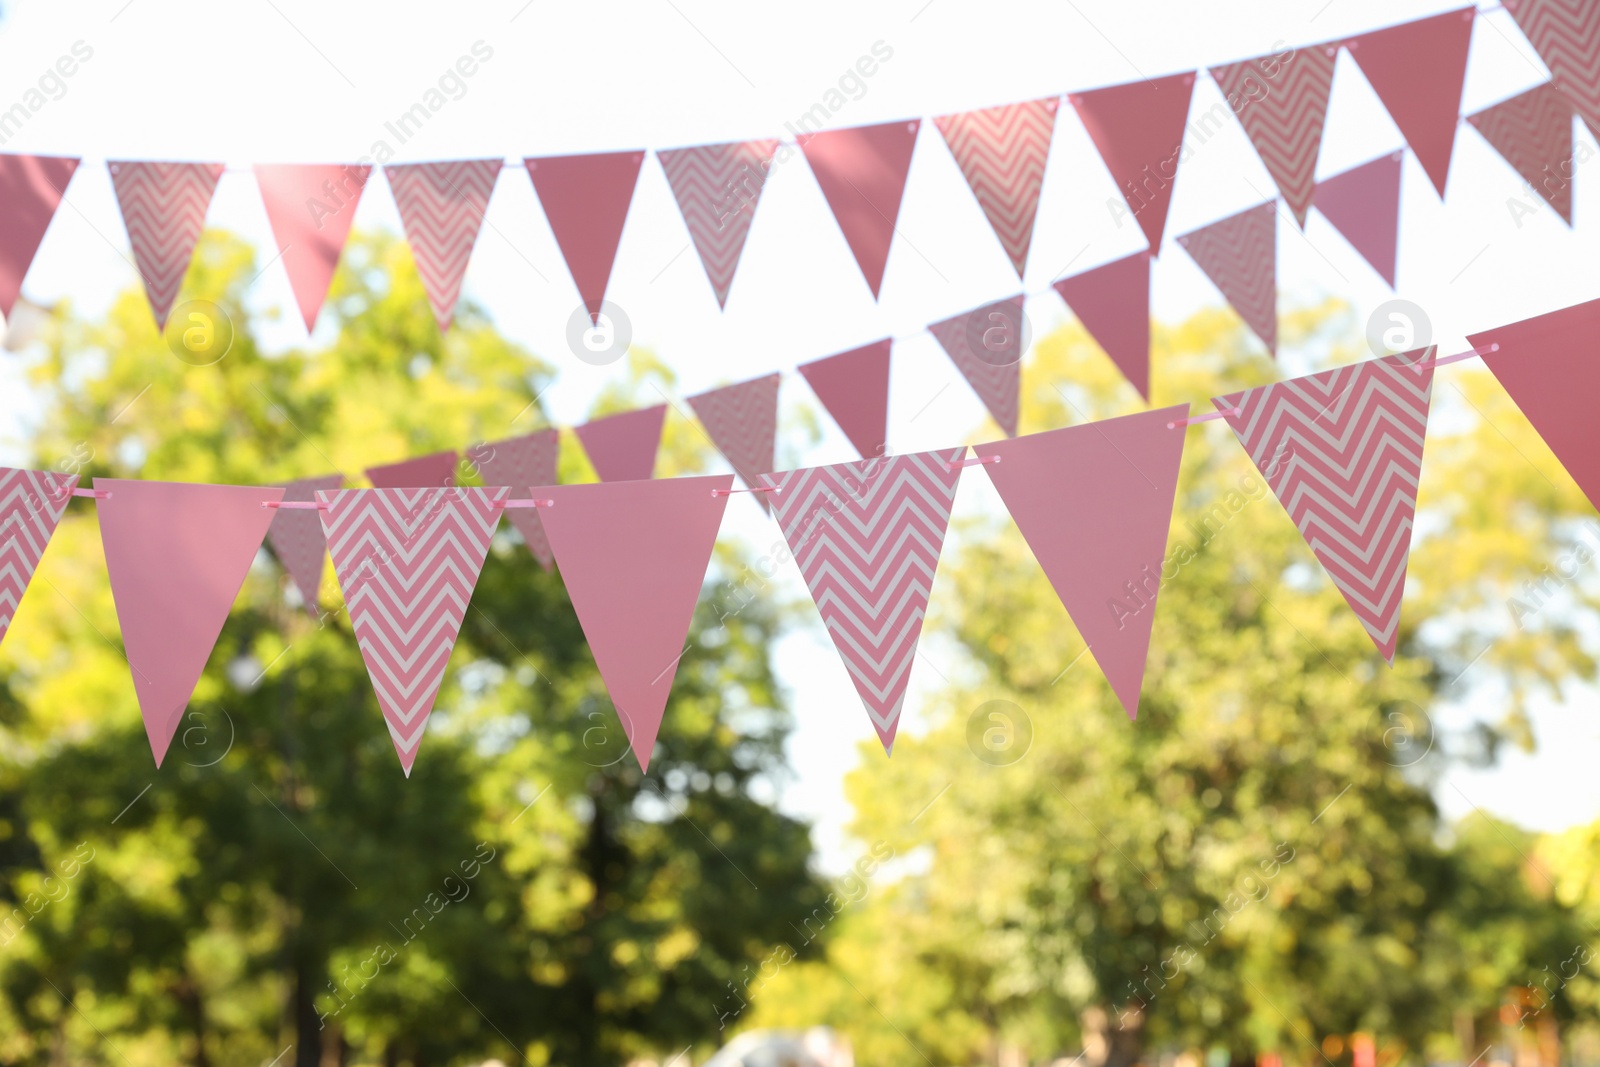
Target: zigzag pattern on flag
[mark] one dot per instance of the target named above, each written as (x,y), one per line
(995,373)
(717,187)
(407,560)
(296,537)
(31,506)
(742,420)
(522,463)
(1532,131)
(164,208)
(867,538)
(1002,152)
(442,206)
(1566,34)
(1343,452)
(1281,103)
(1240,256)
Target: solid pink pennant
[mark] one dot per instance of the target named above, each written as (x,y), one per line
(862,172)
(1240,256)
(1417,69)
(1363,204)
(311,207)
(295,537)
(31,188)
(854,387)
(1002,152)
(622,447)
(742,420)
(1532,131)
(164,208)
(1094,503)
(1138,129)
(1113,303)
(1281,102)
(407,561)
(520,463)
(717,187)
(867,538)
(31,506)
(441,206)
(586,201)
(177,555)
(633,556)
(1566,34)
(421,472)
(985,344)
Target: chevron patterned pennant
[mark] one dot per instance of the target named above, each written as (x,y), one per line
(1363,204)
(31,188)
(407,560)
(1240,256)
(986,345)
(296,537)
(442,206)
(1566,34)
(521,463)
(867,538)
(164,208)
(31,506)
(1281,101)
(862,172)
(1532,131)
(1002,153)
(717,187)
(1343,452)
(742,420)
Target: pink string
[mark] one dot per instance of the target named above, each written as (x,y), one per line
(756,489)
(970,462)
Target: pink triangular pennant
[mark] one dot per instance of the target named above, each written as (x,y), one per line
(421,472)
(31,188)
(520,463)
(867,538)
(441,206)
(1094,503)
(1138,129)
(1566,34)
(862,172)
(717,187)
(1363,204)
(164,208)
(1002,153)
(1240,256)
(407,561)
(622,447)
(1343,452)
(633,556)
(1417,69)
(177,555)
(742,420)
(586,200)
(295,537)
(854,387)
(1532,131)
(31,506)
(311,207)
(1113,303)
(1281,101)
(985,344)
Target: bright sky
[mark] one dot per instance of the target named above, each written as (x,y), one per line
(298,81)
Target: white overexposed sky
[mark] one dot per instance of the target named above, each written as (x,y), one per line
(298,81)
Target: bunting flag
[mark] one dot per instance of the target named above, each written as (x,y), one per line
(177,555)
(441,206)
(854,387)
(742,421)
(1532,131)
(295,537)
(623,447)
(31,188)
(867,538)
(31,506)
(1343,452)
(586,201)
(1566,34)
(1094,502)
(994,370)
(310,208)
(1138,130)
(1002,152)
(633,556)
(520,463)
(434,470)
(1547,364)
(862,172)
(1113,303)
(164,208)
(1417,69)
(1363,204)
(1281,102)
(1240,256)
(717,187)
(407,560)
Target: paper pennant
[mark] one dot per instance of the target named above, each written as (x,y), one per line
(1240,256)
(421,472)
(407,560)
(296,537)
(1138,129)
(586,200)
(164,208)
(311,207)
(862,172)
(520,463)
(742,420)
(1532,131)
(31,188)
(623,447)
(1566,34)
(717,187)
(1417,69)
(441,206)
(985,344)
(1363,204)
(177,555)
(1343,452)
(1002,153)
(1113,303)
(854,387)
(1094,503)
(31,506)
(1281,102)
(633,556)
